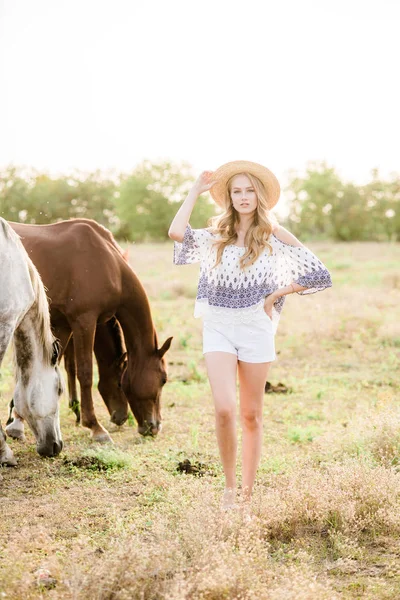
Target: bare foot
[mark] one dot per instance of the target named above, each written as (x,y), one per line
(245,505)
(228,499)
(247,513)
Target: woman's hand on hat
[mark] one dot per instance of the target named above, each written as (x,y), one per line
(204,182)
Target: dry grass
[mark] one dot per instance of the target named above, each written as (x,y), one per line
(124,523)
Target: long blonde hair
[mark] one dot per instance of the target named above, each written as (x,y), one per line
(256,240)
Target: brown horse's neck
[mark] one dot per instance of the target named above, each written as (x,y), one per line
(135,317)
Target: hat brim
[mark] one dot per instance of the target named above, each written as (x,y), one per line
(222,175)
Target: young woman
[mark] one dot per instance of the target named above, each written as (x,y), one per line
(248,264)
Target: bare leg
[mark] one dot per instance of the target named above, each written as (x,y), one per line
(221,369)
(83,332)
(252,377)
(70,367)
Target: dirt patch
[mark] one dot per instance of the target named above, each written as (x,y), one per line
(196,468)
(279,388)
(91,463)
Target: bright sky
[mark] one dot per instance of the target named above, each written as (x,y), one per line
(103,84)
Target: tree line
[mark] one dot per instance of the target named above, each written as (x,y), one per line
(140,205)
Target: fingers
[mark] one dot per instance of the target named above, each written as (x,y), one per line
(209,185)
(204,181)
(206,176)
(268,310)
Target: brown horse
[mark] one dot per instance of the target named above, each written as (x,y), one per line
(111,357)
(89,282)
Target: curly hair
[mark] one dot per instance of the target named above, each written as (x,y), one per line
(256,240)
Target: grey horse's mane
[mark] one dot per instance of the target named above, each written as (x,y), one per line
(40,307)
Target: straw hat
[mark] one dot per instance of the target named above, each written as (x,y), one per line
(224,173)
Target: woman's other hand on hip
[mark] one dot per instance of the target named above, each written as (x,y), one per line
(269,303)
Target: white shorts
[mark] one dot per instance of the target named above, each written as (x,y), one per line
(252,342)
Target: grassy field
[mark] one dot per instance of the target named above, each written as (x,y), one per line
(124,522)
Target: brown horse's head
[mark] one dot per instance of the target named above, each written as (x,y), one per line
(142,386)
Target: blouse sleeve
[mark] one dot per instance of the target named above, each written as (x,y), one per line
(193,246)
(301,266)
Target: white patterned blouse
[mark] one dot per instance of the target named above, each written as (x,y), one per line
(226,293)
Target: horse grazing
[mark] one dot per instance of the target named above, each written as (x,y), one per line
(24,317)
(111,357)
(89,282)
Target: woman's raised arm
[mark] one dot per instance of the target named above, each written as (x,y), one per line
(177,228)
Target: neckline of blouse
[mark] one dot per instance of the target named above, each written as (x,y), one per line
(245,247)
